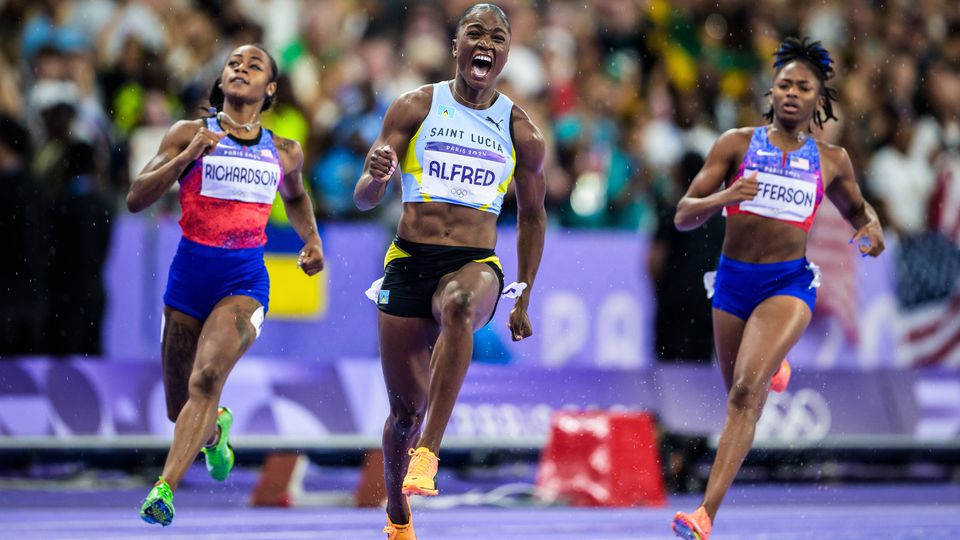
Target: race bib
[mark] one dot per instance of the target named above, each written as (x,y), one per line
(462,174)
(782,197)
(239,179)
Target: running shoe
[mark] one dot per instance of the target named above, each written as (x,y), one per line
(421,478)
(781,378)
(694,526)
(220,457)
(158,506)
(400,532)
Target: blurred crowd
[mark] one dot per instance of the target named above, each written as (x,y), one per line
(630,95)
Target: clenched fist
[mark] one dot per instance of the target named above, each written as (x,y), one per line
(203,143)
(383,161)
(744,189)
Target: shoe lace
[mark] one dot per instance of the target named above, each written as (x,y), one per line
(391,531)
(163,488)
(422,463)
(702,520)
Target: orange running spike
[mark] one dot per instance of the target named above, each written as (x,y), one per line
(421,478)
(400,532)
(694,526)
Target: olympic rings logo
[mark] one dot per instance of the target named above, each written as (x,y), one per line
(801,416)
(459,192)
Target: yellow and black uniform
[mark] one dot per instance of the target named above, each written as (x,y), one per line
(412,272)
(458,156)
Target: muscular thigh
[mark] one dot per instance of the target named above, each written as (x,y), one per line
(772,330)
(727,334)
(478,280)
(229,330)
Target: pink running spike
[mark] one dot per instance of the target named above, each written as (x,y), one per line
(781,378)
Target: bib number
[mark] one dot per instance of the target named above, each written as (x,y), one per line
(782,197)
(239,179)
(462,174)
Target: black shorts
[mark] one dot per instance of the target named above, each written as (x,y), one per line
(412,272)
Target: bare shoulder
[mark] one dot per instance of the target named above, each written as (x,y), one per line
(291,154)
(184,130)
(287,146)
(526,134)
(417,98)
(832,153)
(732,143)
(834,162)
(741,135)
(409,109)
(188,125)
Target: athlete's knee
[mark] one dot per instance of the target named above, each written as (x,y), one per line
(746,394)
(207,380)
(458,306)
(405,417)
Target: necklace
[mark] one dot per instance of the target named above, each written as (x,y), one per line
(800,137)
(248,127)
(477,105)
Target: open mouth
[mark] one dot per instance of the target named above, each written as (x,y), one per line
(481,65)
(791,107)
(238,79)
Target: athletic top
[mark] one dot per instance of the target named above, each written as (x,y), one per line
(460,155)
(790,184)
(226,196)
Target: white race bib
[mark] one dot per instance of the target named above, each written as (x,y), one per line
(239,179)
(782,197)
(462,174)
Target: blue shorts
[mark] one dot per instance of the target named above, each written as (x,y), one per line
(741,287)
(201,276)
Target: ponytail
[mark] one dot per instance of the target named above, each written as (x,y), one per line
(216,97)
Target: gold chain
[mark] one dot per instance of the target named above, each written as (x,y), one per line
(478,105)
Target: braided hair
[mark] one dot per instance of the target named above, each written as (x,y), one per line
(818,59)
(216,93)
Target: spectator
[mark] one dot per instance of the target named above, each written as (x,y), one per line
(23,209)
(677,261)
(900,176)
(80,238)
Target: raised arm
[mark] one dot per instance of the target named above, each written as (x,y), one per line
(703,199)
(185,142)
(298,206)
(532,217)
(403,118)
(844,193)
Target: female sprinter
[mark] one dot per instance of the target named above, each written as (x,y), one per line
(458,144)
(765,290)
(230,170)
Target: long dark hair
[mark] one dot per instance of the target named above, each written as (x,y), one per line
(216,93)
(818,59)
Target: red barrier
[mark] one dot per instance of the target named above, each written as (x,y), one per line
(602,459)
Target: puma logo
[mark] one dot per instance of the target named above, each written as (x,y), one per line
(494,122)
